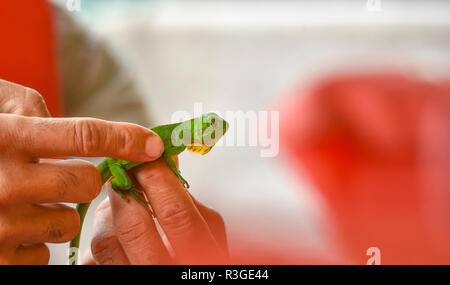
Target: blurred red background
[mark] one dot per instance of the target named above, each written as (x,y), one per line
(377,147)
(28,53)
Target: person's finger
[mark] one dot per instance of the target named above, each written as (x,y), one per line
(136,231)
(34,254)
(20,100)
(186,229)
(215,223)
(38,224)
(88,258)
(105,246)
(85,137)
(72,181)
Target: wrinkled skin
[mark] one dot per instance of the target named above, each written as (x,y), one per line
(31,187)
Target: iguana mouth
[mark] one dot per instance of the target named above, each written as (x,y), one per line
(199,148)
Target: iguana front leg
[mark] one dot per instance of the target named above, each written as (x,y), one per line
(173,166)
(122,184)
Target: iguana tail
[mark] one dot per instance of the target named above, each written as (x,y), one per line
(82,210)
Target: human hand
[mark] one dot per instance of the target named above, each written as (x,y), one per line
(28,185)
(125,233)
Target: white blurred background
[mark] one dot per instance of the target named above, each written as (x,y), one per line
(243,55)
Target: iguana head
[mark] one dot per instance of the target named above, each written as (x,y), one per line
(206,131)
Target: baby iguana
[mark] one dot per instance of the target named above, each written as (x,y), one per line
(197,135)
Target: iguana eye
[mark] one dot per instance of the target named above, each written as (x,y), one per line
(213,123)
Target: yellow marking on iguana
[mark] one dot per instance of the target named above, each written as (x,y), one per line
(198,148)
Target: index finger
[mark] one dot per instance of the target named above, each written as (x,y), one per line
(85,137)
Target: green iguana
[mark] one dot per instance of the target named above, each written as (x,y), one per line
(197,135)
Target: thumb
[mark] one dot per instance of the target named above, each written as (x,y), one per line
(105,247)
(136,231)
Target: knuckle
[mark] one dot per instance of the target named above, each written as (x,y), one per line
(88,136)
(22,100)
(102,247)
(12,183)
(132,232)
(33,97)
(176,219)
(147,176)
(9,124)
(124,140)
(35,102)
(16,134)
(152,174)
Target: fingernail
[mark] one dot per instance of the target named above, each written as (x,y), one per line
(154,146)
